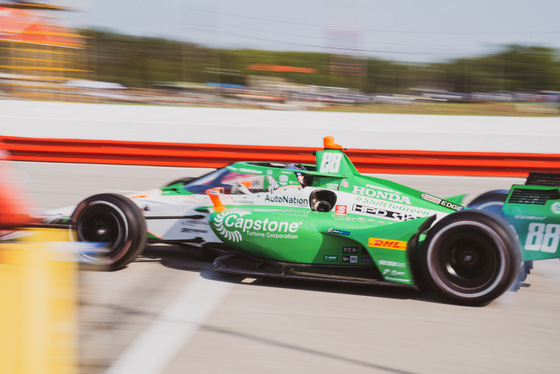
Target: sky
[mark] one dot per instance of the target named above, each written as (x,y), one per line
(398,30)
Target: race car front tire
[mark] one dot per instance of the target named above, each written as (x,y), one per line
(115,227)
(471,257)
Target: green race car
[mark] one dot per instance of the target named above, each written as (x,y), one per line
(363,229)
(329,222)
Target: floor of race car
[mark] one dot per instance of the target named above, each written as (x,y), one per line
(237,265)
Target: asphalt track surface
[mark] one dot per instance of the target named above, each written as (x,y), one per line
(169,312)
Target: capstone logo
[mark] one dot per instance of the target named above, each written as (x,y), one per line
(383,195)
(231,225)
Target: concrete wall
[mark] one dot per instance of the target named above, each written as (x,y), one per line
(288,128)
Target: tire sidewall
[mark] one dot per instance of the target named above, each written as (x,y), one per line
(130,243)
(505,251)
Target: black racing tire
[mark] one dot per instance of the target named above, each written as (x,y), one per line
(491,201)
(112,219)
(471,257)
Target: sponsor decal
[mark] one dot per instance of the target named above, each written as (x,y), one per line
(283,180)
(330,258)
(350,259)
(437,200)
(383,195)
(345,183)
(350,250)
(531,218)
(250,171)
(383,213)
(380,188)
(367,260)
(340,210)
(394,264)
(400,280)
(231,224)
(193,231)
(421,212)
(431,198)
(332,186)
(193,222)
(399,245)
(282,199)
(555,207)
(341,232)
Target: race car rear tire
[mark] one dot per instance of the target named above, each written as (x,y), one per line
(471,257)
(493,202)
(116,224)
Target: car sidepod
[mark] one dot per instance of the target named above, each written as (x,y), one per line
(321,239)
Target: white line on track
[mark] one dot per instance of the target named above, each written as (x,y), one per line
(152,351)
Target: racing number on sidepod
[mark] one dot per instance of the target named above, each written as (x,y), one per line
(330,163)
(542,237)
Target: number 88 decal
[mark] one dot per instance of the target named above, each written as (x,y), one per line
(541,237)
(330,163)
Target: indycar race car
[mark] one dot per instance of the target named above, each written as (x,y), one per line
(329,222)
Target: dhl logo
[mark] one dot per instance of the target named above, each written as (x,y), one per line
(399,245)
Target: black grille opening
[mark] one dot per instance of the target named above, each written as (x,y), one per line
(533,197)
(543,179)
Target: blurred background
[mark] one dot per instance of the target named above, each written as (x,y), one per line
(478,57)
(367,56)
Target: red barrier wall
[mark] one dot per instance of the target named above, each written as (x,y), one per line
(217,155)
